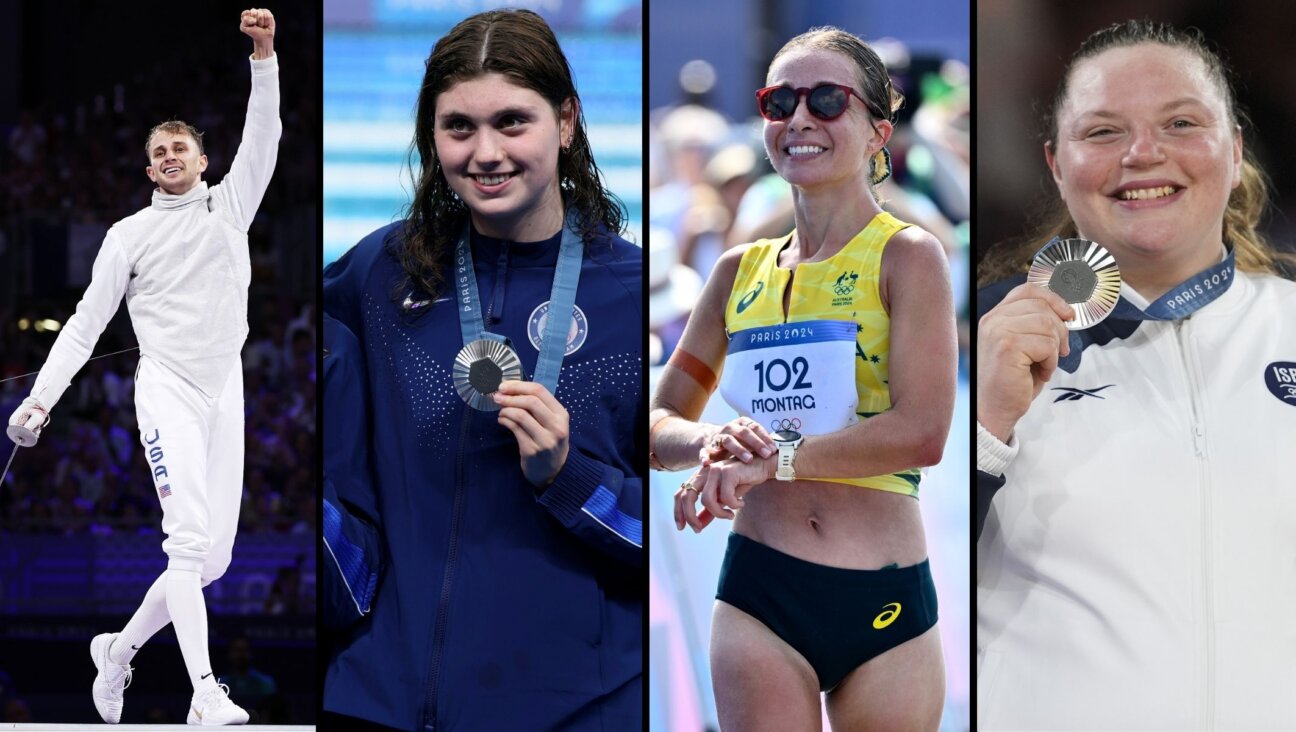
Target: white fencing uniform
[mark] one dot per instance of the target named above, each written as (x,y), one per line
(183,266)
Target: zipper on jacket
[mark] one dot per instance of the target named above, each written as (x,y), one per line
(495,313)
(447,582)
(1203,483)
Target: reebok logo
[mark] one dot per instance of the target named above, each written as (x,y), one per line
(1280,378)
(887,616)
(1071,394)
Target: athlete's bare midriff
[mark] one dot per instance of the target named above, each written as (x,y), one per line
(834,524)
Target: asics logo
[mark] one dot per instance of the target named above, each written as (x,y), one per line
(887,616)
(750,297)
(1070,394)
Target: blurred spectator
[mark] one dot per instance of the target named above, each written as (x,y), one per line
(285,594)
(673,289)
(16,711)
(27,141)
(7,690)
(251,688)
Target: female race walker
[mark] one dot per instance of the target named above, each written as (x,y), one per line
(1137,563)
(837,346)
(498,326)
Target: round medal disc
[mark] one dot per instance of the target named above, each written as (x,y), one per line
(480,367)
(1084,274)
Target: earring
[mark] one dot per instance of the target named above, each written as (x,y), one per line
(880,166)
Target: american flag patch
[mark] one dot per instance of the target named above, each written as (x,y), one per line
(164,491)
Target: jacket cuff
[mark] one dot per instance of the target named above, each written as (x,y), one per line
(993,456)
(48,393)
(573,485)
(263,66)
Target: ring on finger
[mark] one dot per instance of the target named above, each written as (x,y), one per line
(688,486)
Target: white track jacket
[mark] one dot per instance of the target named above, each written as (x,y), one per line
(183,266)
(1137,570)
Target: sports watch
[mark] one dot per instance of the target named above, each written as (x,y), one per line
(787,442)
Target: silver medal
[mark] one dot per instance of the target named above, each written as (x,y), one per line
(480,367)
(1081,272)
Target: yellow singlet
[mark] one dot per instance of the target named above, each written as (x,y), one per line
(842,287)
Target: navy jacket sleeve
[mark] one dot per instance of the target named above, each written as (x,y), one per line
(352,548)
(601,505)
(986,487)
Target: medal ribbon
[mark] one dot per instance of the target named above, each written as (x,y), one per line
(1182,300)
(562,298)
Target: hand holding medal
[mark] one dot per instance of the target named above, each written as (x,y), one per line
(1081,272)
(540,424)
(1072,284)
(488,372)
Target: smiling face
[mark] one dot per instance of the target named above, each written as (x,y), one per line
(810,152)
(498,145)
(174,162)
(1146,156)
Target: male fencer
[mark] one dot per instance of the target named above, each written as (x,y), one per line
(183,266)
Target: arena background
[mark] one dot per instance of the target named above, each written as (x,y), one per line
(1022,47)
(374,54)
(80,539)
(711,188)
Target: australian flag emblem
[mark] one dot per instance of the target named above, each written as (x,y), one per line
(164,491)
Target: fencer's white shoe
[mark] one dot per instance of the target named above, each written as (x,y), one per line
(111,681)
(214,709)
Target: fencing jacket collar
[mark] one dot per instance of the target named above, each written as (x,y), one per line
(164,201)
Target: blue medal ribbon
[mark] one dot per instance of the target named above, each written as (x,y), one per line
(562,298)
(1179,302)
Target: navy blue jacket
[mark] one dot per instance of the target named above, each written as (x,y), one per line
(352,548)
(499,608)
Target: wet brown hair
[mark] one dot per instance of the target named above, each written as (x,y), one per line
(519,45)
(175,127)
(1246,205)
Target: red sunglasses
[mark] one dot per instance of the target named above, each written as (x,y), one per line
(826,101)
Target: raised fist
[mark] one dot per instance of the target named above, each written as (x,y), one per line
(258,23)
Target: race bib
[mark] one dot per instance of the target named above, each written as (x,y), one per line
(798,376)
